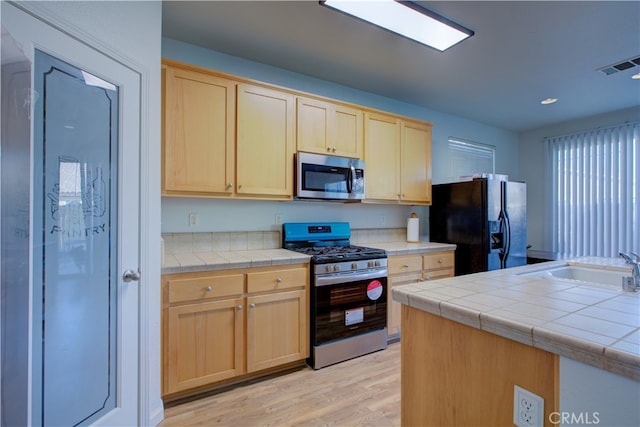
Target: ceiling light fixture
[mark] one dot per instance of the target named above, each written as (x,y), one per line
(406,19)
(636,76)
(549,101)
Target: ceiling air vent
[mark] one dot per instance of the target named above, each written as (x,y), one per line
(620,66)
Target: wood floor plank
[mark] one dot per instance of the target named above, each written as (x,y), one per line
(360,392)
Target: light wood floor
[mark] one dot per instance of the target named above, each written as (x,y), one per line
(360,392)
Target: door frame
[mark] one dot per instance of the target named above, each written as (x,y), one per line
(150,407)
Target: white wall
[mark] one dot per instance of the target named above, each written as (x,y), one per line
(532,168)
(592,396)
(231,215)
(131,32)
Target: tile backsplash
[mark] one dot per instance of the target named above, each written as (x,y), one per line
(183,243)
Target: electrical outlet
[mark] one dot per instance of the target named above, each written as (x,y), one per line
(528,408)
(278,219)
(194,220)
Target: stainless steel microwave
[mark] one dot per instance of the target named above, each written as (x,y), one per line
(329,177)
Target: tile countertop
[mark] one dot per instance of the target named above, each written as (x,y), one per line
(221,260)
(595,324)
(406,248)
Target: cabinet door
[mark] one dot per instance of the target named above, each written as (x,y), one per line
(382,156)
(198,139)
(313,126)
(265,132)
(346,132)
(277,326)
(203,344)
(394,308)
(415,173)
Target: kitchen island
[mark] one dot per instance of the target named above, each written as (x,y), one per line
(468,340)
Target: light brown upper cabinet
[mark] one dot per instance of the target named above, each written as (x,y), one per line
(265,141)
(398,159)
(223,138)
(329,128)
(199,133)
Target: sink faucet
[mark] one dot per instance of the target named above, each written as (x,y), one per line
(631,283)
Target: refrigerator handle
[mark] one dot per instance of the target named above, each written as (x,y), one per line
(507,237)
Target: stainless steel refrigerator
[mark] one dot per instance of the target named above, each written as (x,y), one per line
(485,218)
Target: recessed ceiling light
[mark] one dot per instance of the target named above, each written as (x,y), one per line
(636,76)
(406,19)
(548,101)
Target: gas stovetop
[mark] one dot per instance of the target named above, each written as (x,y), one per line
(326,242)
(322,254)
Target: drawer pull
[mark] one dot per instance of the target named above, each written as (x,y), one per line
(279,280)
(440,260)
(252,305)
(209,289)
(405,266)
(239,308)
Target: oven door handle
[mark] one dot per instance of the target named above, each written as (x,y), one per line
(346,277)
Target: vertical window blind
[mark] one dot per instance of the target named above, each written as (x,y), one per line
(467,158)
(595,191)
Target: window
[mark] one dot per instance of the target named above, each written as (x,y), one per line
(468,158)
(595,192)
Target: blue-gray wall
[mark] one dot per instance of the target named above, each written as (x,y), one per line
(238,215)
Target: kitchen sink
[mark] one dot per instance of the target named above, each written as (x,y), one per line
(591,275)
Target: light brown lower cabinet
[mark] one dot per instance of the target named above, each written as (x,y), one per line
(407,269)
(222,325)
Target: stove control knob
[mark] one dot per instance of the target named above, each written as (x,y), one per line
(336,267)
(354,265)
(327,268)
(377,263)
(370,264)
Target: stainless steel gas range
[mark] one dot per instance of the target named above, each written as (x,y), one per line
(348,310)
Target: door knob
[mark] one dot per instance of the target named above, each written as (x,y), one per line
(131,276)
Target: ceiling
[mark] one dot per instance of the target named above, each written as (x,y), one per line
(522,52)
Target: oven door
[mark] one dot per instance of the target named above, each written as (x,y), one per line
(328,177)
(345,305)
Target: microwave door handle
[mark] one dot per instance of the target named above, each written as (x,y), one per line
(351,176)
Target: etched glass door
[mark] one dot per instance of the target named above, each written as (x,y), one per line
(78,162)
(79,240)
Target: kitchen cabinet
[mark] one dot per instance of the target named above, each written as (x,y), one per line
(398,151)
(224,138)
(402,270)
(198,150)
(329,128)
(265,142)
(203,325)
(229,324)
(438,265)
(413,268)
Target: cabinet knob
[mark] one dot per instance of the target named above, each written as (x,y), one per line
(328,149)
(333,149)
(209,289)
(229,185)
(279,280)
(239,308)
(440,260)
(252,305)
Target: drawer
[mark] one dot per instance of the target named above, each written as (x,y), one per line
(438,274)
(274,280)
(404,264)
(438,260)
(204,288)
